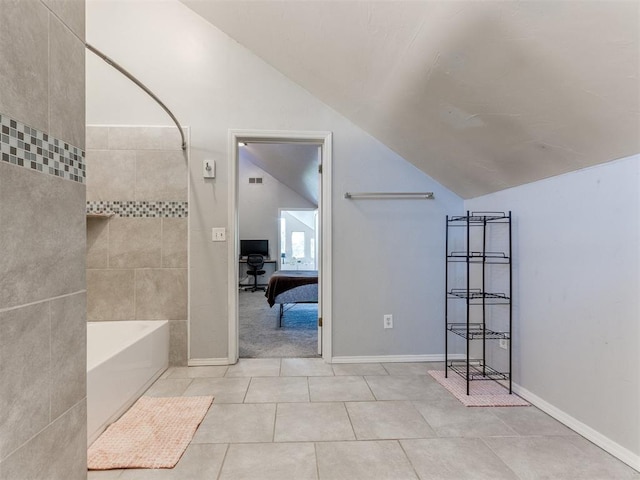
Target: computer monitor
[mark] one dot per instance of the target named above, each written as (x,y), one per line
(254,246)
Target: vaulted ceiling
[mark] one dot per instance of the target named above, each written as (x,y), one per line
(480,95)
(294,165)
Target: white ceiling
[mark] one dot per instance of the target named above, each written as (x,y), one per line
(480,95)
(294,165)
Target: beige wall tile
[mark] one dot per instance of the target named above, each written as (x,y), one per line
(97,243)
(24,374)
(43,236)
(161,294)
(24,50)
(110,295)
(135,242)
(144,138)
(59,452)
(66,84)
(178,343)
(161,176)
(110,175)
(68,352)
(174,242)
(72,13)
(97,137)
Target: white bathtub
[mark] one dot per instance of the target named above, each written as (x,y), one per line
(123,359)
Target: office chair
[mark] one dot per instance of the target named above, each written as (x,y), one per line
(255,262)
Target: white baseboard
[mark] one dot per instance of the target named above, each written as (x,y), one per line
(207,362)
(395,358)
(623,454)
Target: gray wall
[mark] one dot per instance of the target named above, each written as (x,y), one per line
(137,258)
(387,256)
(576,305)
(42,235)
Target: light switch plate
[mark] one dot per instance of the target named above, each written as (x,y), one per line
(218,234)
(209,168)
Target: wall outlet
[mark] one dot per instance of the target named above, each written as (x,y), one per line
(218,234)
(504,343)
(388,320)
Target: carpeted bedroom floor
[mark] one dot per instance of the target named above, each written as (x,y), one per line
(260,336)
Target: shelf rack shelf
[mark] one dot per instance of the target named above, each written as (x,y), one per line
(479,257)
(476,330)
(480,265)
(478,370)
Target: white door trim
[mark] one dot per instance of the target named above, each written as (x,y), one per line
(276,136)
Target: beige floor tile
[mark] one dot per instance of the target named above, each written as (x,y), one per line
(198,462)
(224,390)
(530,421)
(339,389)
(198,372)
(168,372)
(405,423)
(569,458)
(379,460)
(270,461)
(309,422)
(359,369)
(305,367)
(406,387)
(278,389)
(414,368)
(387,420)
(255,367)
(168,387)
(103,474)
(450,418)
(237,423)
(455,459)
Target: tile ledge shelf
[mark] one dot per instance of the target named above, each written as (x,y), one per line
(100,215)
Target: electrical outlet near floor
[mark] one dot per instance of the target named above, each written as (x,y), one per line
(504,343)
(387,320)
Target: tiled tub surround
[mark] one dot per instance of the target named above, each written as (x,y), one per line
(139,209)
(42,238)
(42,303)
(124,359)
(137,258)
(27,147)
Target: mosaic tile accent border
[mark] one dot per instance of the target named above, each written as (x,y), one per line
(30,148)
(141,209)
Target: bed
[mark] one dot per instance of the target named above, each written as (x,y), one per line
(289,287)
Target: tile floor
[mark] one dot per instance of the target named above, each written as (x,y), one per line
(298,419)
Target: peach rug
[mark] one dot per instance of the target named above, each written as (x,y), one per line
(153,433)
(483,393)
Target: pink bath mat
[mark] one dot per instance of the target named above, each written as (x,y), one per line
(483,393)
(153,433)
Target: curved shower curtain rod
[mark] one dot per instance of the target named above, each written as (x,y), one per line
(141,85)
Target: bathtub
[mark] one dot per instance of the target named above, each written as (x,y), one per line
(123,359)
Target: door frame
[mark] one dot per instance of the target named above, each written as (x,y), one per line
(324,140)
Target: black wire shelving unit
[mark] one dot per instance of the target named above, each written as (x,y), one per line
(472,291)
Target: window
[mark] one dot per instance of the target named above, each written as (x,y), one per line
(283,235)
(297,245)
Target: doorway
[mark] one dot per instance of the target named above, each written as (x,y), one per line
(306,244)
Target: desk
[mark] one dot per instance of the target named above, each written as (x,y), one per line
(270,266)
